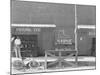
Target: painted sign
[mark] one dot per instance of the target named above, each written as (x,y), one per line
(28,29)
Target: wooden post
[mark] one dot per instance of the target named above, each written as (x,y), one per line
(76,55)
(60,60)
(45,60)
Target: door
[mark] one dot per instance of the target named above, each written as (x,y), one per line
(84,45)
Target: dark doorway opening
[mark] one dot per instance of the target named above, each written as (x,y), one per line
(93,49)
(29,45)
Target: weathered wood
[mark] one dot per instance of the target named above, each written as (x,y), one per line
(60,58)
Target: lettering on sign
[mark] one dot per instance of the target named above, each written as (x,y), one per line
(28,29)
(23,29)
(91,33)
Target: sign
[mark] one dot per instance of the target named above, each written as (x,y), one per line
(23,29)
(28,30)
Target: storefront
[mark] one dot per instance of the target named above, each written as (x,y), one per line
(51,33)
(35,40)
(86,41)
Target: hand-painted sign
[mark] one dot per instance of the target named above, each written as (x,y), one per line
(28,29)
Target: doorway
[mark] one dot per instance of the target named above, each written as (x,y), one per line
(29,45)
(93,49)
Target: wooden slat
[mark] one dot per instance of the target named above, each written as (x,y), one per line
(86,27)
(33,25)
